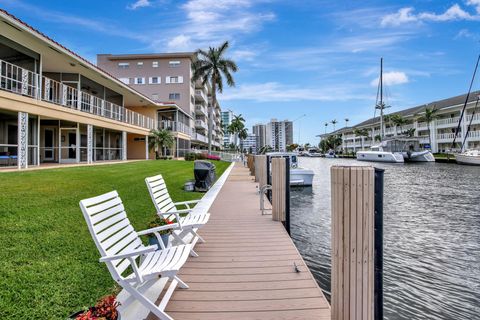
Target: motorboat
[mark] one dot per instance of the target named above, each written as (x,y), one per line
(470,157)
(314,153)
(396,150)
(298,176)
(330,154)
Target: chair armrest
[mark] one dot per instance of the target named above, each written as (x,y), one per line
(186,203)
(157,229)
(129,254)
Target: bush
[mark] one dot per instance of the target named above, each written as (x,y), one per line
(190,156)
(213,157)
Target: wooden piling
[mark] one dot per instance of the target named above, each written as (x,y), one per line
(261,170)
(352,242)
(278,189)
(251,164)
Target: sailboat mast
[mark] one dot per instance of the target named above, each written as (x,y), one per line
(381,98)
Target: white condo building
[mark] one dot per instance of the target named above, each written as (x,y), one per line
(260,130)
(279,134)
(250,144)
(227,117)
(442,129)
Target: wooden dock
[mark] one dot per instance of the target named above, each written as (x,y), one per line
(246,268)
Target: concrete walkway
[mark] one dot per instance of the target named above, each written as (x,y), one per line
(246,268)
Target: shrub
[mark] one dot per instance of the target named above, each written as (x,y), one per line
(213,157)
(190,156)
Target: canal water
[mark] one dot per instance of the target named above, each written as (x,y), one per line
(431,236)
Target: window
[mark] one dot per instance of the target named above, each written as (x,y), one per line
(174,64)
(123,65)
(140,64)
(155,97)
(139,80)
(155,80)
(174,79)
(174,96)
(155,64)
(192,99)
(125,80)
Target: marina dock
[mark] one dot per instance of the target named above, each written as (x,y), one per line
(246,268)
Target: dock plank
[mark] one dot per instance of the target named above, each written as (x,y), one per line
(245,270)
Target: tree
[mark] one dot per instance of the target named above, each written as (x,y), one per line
(331,142)
(361,133)
(429,117)
(236,126)
(211,66)
(398,121)
(326,125)
(306,146)
(160,139)
(265,149)
(292,147)
(334,122)
(242,134)
(410,132)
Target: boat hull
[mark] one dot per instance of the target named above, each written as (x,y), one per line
(301,177)
(380,156)
(420,156)
(466,159)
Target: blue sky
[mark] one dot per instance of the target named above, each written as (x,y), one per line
(318,58)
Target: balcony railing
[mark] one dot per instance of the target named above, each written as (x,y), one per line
(201,94)
(199,137)
(448,136)
(199,109)
(447,121)
(25,82)
(174,126)
(200,124)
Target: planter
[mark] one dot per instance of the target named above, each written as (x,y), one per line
(154,241)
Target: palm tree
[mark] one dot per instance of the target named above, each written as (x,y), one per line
(346,122)
(236,126)
(211,66)
(361,133)
(346,126)
(334,122)
(160,139)
(398,121)
(242,134)
(429,117)
(326,125)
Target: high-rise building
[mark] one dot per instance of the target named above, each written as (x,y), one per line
(279,134)
(227,117)
(167,77)
(249,144)
(260,131)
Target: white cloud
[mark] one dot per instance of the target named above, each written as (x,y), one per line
(209,22)
(277,92)
(243,55)
(391,78)
(465,33)
(180,43)
(407,15)
(139,4)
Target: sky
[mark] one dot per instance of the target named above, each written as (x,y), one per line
(308,61)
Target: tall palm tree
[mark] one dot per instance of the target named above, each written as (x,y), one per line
(326,125)
(429,117)
(211,66)
(361,133)
(160,139)
(398,121)
(346,122)
(334,122)
(346,126)
(242,134)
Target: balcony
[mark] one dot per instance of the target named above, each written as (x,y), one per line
(27,83)
(201,110)
(199,137)
(422,126)
(200,95)
(200,124)
(447,122)
(174,126)
(476,118)
(442,137)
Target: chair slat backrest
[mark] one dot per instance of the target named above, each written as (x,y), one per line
(110,228)
(160,196)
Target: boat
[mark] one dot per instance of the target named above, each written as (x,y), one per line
(313,153)
(470,157)
(298,176)
(396,149)
(330,154)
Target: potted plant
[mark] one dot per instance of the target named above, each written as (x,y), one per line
(164,234)
(105,309)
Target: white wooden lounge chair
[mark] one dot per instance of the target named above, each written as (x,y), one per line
(121,247)
(167,209)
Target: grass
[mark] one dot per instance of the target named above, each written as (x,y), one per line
(48,261)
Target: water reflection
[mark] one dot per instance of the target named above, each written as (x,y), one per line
(432,236)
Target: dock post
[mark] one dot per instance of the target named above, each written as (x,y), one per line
(353,198)
(287,194)
(269,179)
(278,189)
(378,297)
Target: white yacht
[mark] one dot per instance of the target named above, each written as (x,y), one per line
(314,153)
(330,154)
(397,150)
(298,176)
(471,157)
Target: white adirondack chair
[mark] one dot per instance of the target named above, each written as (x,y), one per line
(167,209)
(121,247)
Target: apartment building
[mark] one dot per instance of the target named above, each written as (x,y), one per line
(166,78)
(260,131)
(442,129)
(56,107)
(227,117)
(249,144)
(279,134)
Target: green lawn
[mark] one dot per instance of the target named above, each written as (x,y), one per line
(48,262)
